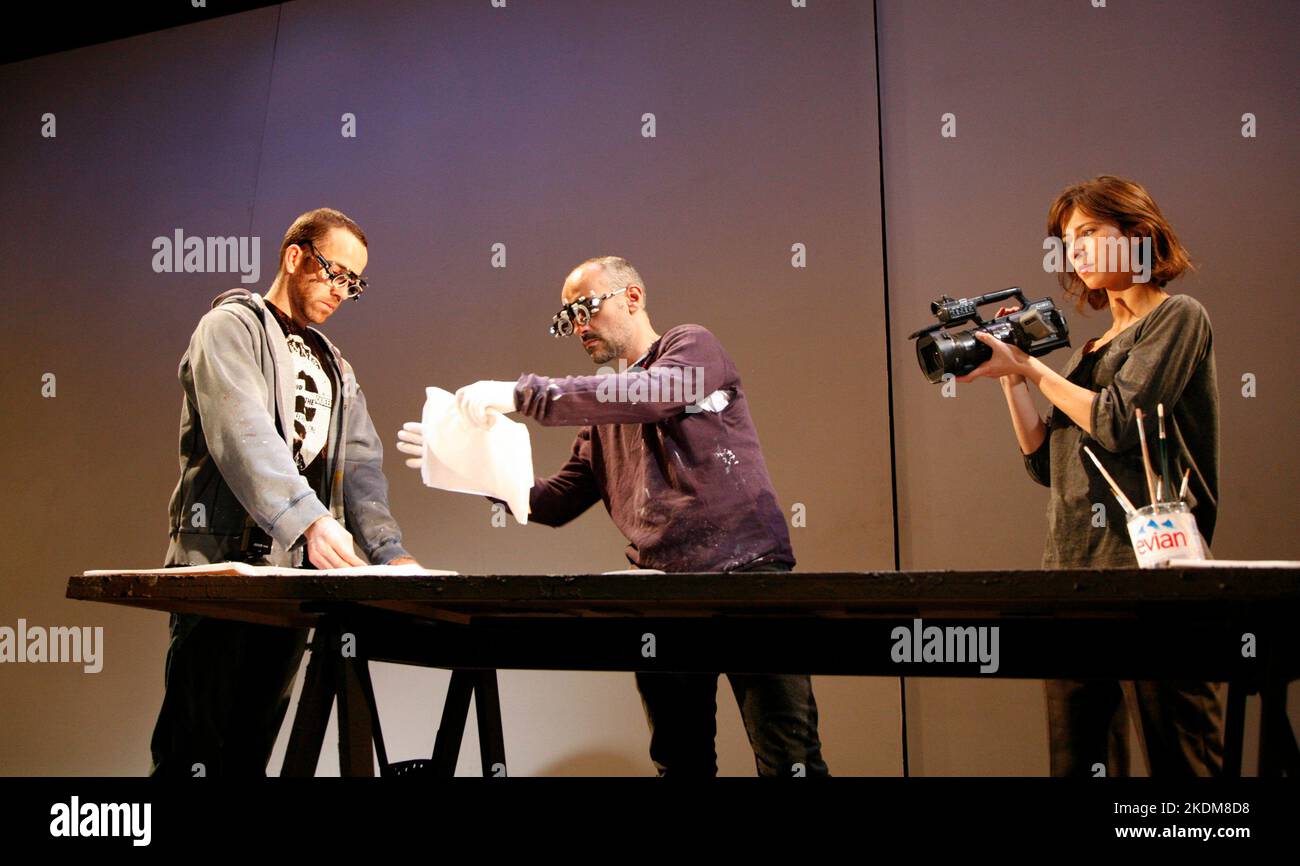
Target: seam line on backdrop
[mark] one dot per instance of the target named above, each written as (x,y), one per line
(889,356)
(266,121)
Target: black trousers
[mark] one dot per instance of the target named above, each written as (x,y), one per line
(1179,724)
(228,686)
(778,710)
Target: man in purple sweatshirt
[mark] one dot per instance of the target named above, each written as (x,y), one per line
(667,444)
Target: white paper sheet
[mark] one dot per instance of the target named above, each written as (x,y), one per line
(462,457)
(278,571)
(1233,563)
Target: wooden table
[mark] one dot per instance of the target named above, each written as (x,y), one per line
(1228,624)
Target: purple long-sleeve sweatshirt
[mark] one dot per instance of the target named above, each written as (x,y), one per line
(686,484)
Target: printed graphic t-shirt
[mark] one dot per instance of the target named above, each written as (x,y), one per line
(315,387)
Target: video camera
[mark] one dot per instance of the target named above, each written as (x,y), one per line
(1037,328)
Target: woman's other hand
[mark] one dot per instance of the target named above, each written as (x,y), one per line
(1008,360)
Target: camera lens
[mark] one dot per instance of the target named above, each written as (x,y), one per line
(950,353)
(930,352)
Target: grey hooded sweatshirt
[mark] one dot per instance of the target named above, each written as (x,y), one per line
(236,460)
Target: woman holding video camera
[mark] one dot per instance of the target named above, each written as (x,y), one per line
(1157,350)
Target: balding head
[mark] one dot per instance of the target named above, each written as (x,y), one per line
(602,274)
(621,326)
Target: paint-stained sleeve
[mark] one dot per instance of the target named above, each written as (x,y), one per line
(690,366)
(556,500)
(365,488)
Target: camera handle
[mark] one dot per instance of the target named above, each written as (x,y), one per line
(995,297)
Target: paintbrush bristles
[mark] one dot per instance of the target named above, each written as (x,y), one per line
(1146,457)
(1114,488)
(1166,482)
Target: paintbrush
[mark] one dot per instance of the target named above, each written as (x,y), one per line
(1165,480)
(1182,491)
(1123,500)
(1146,457)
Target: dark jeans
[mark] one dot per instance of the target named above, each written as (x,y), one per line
(779,712)
(1179,724)
(228,688)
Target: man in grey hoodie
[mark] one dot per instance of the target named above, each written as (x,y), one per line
(277,455)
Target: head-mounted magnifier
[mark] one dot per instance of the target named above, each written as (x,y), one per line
(575,315)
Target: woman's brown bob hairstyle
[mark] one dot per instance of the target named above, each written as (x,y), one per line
(1127,204)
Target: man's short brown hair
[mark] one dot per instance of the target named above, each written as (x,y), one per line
(312,227)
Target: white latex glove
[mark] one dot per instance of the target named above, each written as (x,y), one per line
(477,402)
(410,440)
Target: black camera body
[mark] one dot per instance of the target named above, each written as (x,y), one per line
(1036,328)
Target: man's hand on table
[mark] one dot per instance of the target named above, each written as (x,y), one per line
(329,545)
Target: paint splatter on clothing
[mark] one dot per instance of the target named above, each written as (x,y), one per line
(669,446)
